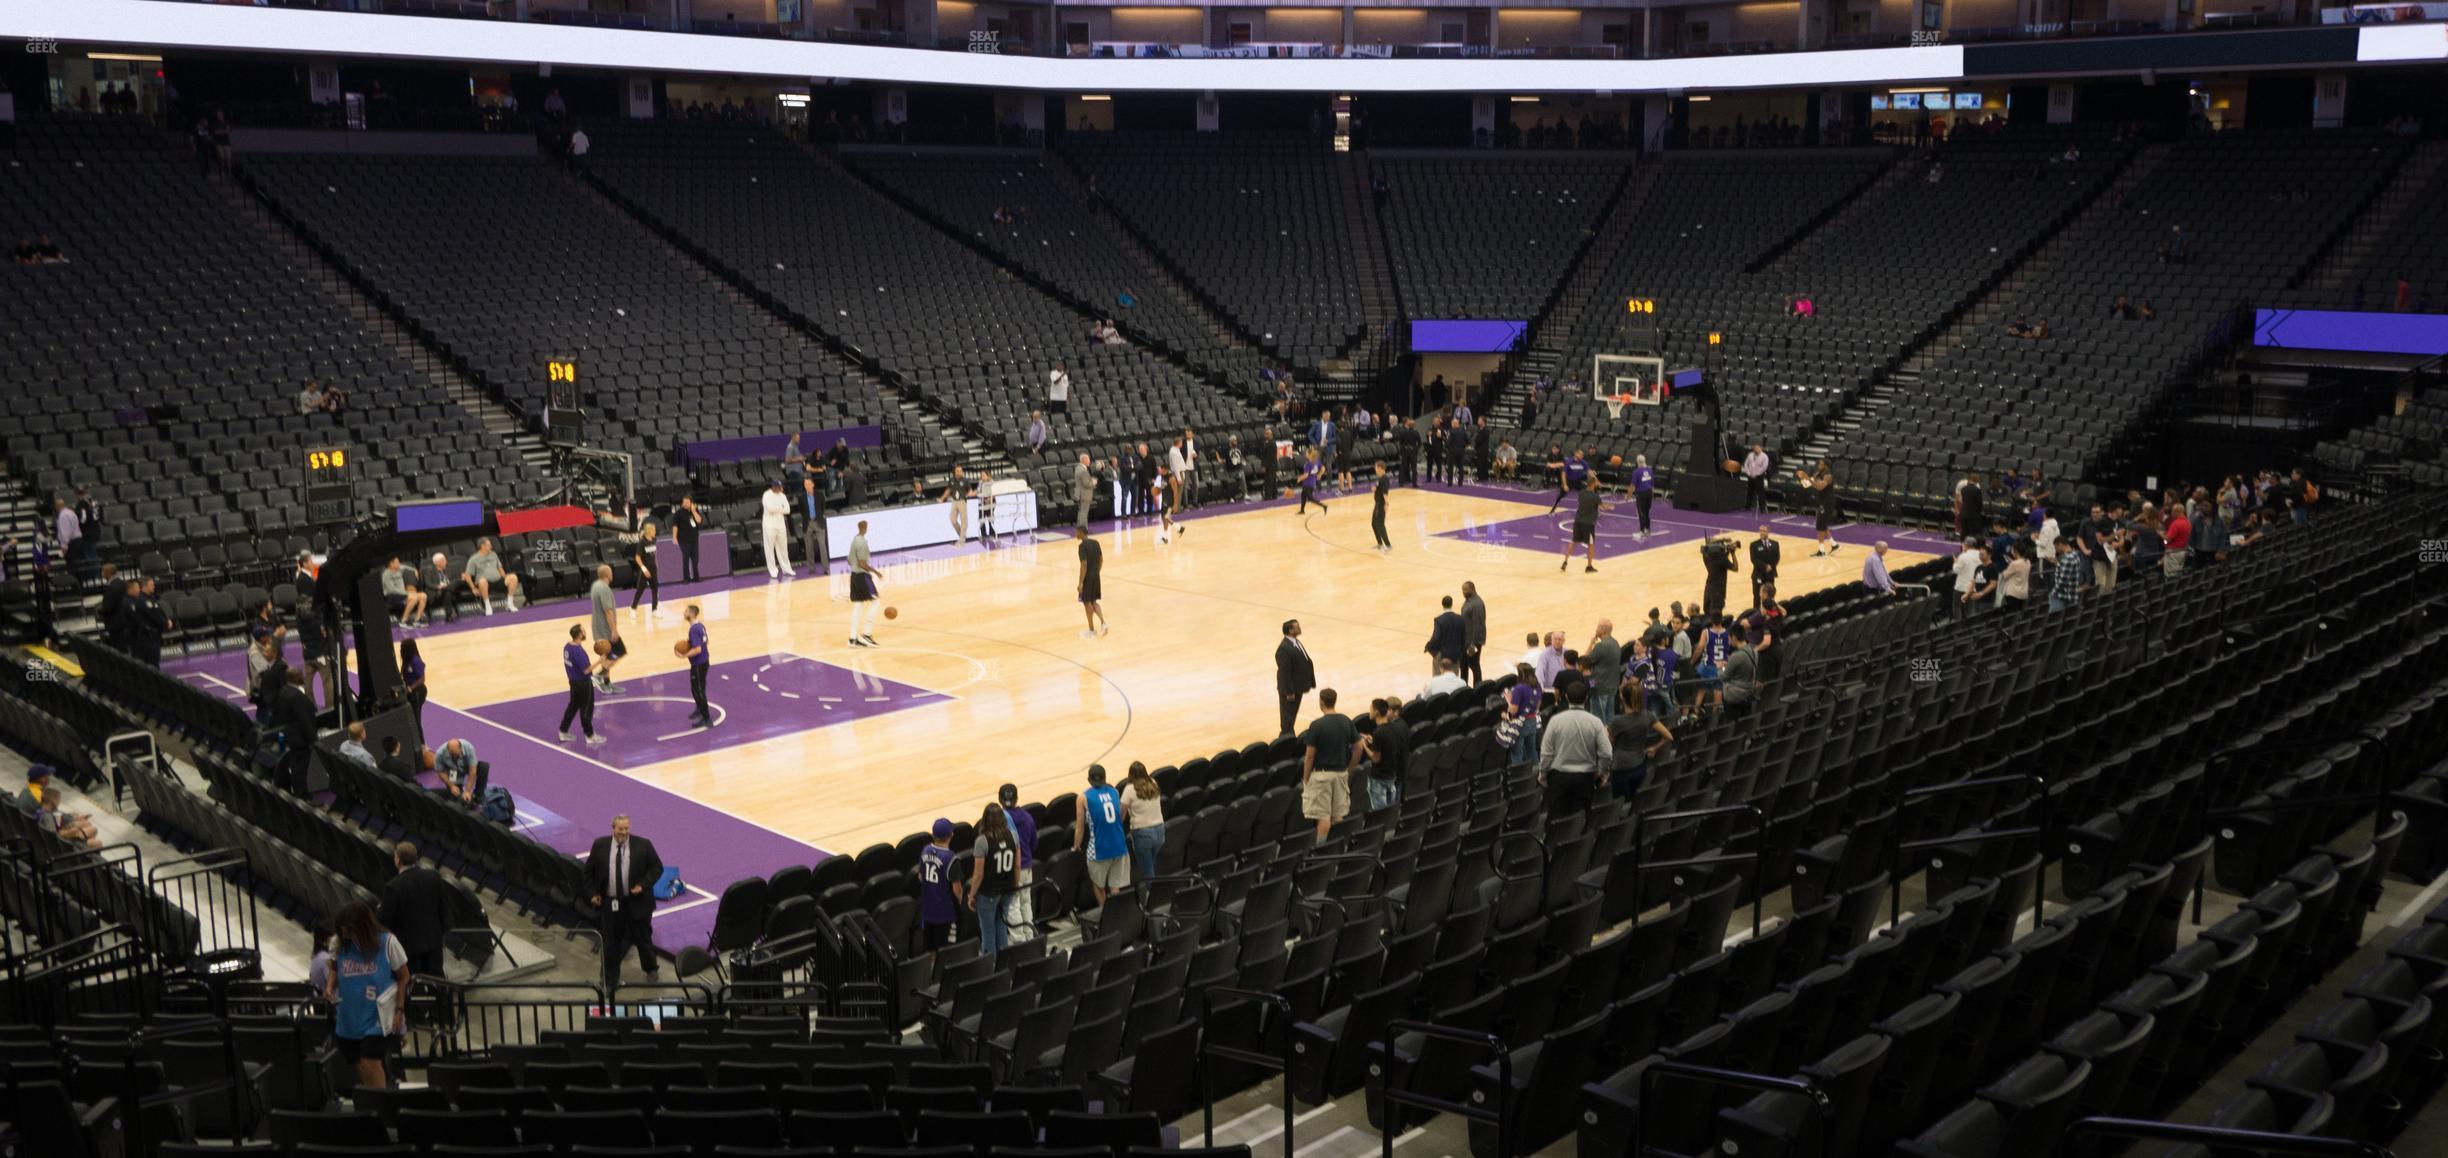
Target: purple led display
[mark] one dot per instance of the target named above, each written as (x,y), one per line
(1466,336)
(2361,331)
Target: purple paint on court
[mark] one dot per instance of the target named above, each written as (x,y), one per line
(753,699)
(566,798)
(1619,528)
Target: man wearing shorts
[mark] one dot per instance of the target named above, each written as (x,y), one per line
(1101,831)
(1326,764)
(1585,527)
(483,572)
(1091,583)
(862,590)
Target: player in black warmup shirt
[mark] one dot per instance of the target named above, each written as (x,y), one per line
(1091,582)
(1377,519)
(1585,526)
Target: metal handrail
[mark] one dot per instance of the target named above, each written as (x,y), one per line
(1738,1079)
(1758,856)
(1897,846)
(2207,814)
(1206,1049)
(233,1081)
(1400,1097)
(2219,1136)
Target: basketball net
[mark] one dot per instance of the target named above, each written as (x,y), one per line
(1615,406)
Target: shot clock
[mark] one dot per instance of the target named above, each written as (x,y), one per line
(330,477)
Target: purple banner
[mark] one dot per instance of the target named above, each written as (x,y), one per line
(1466,336)
(772,445)
(2361,331)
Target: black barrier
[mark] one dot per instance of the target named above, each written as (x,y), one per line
(1280,1065)
(1663,1068)
(485,1015)
(217,888)
(1758,856)
(1396,1097)
(1897,846)
(106,971)
(2219,1138)
(232,1083)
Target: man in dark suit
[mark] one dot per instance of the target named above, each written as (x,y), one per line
(416,907)
(624,869)
(1474,631)
(150,625)
(1765,555)
(1294,675)
(1447,638)
(293,711)
(1408,441)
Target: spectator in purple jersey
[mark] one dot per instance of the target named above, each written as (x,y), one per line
(1521,708)
(938,890)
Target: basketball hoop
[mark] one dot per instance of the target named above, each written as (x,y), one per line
(1615,406)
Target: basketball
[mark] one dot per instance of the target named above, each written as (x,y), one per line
(680,648)
(892,613)
(603,647)
(1614,460)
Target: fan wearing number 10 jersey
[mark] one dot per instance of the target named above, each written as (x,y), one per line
(1101,829)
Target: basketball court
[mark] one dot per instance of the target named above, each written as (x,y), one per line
(821,747)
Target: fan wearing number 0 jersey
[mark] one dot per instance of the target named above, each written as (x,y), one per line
(1102,831)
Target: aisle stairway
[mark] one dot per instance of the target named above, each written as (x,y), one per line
(1543,355)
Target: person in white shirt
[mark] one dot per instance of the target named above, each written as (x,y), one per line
(1445,680)
(1058,390)
(1755,478)
(578,144)
(1967,575)
(1177,465)
(1189,468)
(777,532)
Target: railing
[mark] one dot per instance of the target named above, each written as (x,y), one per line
(1898,846)
(233,1080)
(2207,817)
(217,888)
(480,1020)
(1499,1118)
(1642,866)
(142,743)
(105,971)
(1207,1047)
(2219,1138)
(1663,1068)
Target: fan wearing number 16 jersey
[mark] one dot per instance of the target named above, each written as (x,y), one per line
(1101,829)
(938,892)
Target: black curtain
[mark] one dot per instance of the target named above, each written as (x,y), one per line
(2279,102)
(1171,111)
(1268,112)
(1418,120)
